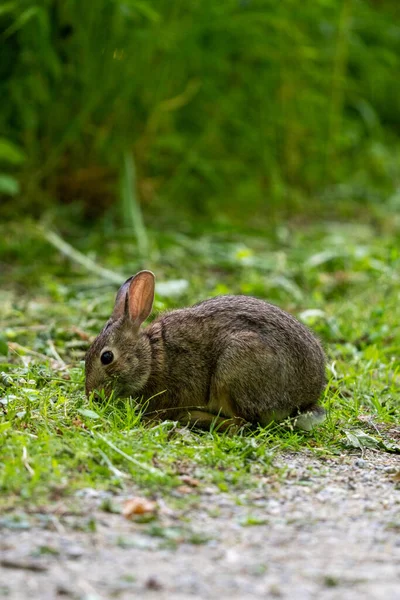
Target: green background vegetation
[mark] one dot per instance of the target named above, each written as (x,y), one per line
(233,107)
(238,146)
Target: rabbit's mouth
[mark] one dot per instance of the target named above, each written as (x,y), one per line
(114,384)
(114,390)
(103,392)
(104,395)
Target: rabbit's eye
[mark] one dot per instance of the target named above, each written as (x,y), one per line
(107,357)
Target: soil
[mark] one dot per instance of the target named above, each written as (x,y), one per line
(329,531)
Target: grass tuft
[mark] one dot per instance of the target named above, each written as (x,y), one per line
(54,441)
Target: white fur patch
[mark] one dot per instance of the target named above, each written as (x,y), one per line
(308,420)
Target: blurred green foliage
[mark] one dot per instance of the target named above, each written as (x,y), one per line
(235,106)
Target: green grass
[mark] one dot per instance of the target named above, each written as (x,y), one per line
(238,106)
(341,279)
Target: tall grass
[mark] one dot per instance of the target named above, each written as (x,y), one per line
(239,105)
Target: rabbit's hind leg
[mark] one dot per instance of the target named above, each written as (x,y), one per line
(205,420)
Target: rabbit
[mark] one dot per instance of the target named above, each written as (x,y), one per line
(226,360)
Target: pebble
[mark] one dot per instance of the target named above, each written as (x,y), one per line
(74,552)
(391,469)
(153,583)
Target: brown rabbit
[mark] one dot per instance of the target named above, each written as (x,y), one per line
(228,359)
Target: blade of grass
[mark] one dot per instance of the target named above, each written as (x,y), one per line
(76,256)
(131,211)
(132,460)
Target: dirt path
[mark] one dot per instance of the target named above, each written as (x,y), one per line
(330,531)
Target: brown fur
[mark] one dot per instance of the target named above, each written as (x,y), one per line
(235,357)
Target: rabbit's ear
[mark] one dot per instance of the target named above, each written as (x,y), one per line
(121,301)
(140,297)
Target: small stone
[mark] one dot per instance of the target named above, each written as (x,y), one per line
(74,552)
(275,591)
(63,589)
(331,581)
(210,491)
(184,489)
(153,583)
(361,463)
(391,469)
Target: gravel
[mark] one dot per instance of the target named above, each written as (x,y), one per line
(329,531)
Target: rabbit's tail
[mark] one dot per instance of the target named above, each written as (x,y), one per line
(306,420)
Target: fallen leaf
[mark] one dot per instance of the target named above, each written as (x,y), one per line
(359,439)
(86,412)
(190,480)
(138,506)
(390,447)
